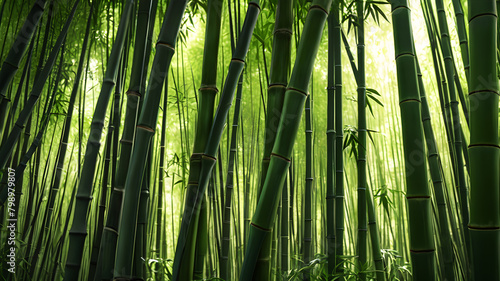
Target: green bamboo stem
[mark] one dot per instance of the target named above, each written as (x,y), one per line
(285,216)
(362,249)
(484,153)
(136,90)
(293,105)
(207,93)
(78,231)
(462,35)
(374,237)
(339,135)
(422,244)
(330,140)
(184,255)
(280,63)
(226,218)
(139,266)
(437,182)
(61,154)
(7,147)
(455,118)
(18,48)
(308,189)
(145,130)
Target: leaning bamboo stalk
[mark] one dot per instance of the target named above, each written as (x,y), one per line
(455,119)
(224,265)
(18,49)
(422,245)
(7,147)
(135,92)
(462,35)
(374,237)
(295,97)
(207,93)
(280,64)
(61,154)
(78,231)
(184,255)
(145,130)
(437,182)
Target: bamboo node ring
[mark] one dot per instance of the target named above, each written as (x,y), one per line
(165,45)
(146,128)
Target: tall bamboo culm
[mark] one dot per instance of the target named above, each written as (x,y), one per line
(362,250)
(16,54)
(145,130)
(280,63)
(78,231)
(422,246)
(484,152)
(339,136)
(293,106)
(195,192)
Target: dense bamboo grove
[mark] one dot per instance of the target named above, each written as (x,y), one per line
(249,140)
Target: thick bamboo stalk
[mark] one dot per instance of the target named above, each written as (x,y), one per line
(184,255)
(78,231)
(136,90)
(422,244)
(293,106)
(145,130)
(280,63)
(484,153)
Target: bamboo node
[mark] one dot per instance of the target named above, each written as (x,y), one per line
(146,128)
(237,60)
(209,157)
(165,45)
(276,85)
(209,88)
(297,90)
(405,54)
(283,30)
(409,100)
(254,4)
(319,8)
(133,93)
(110,81)
(281,157)
(259,227)
(480,15)
(483,91)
